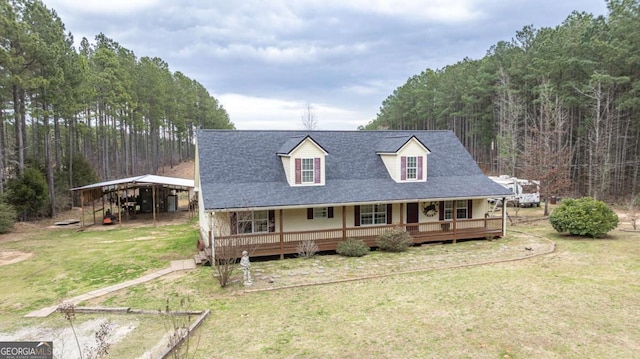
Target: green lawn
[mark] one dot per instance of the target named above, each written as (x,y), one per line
(68,262)
(579,302)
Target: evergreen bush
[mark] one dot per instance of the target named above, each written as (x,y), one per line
(352,247)
(8,216)
(28,193)
(583,217)
(395,240)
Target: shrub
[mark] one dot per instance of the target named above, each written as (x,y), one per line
(28,193)
(583,217)
(8,216)
(307,248)
(352,247)
(395,240)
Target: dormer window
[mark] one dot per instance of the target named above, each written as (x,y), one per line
(303,161)
(411,168)
(307,170)
(404,157)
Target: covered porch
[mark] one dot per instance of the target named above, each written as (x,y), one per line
(283,239)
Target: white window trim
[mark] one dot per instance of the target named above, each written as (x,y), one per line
(448,209)
(250,219)
(320,212)
(413,167)
(307,171)
(462,204)
(374,213)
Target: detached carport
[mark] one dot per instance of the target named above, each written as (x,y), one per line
(153,188)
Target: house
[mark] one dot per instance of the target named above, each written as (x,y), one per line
(274,189)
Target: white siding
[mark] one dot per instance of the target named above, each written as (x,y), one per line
(393,163)
(286,164)
(306,149)
(415,149)
(295,220)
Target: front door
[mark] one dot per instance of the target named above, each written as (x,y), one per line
(412,216)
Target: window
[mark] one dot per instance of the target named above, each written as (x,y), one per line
(252,222)
(448,210)
(462,210)
(412,168)
(373,214)
(307,170)
(320,212)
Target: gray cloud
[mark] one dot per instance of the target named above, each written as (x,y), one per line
(343,57)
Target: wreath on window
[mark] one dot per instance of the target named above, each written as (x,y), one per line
(430,209)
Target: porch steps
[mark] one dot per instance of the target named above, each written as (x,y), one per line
(203,257)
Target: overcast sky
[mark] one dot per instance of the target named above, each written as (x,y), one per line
(266,60)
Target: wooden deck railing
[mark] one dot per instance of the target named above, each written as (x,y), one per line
(276,243)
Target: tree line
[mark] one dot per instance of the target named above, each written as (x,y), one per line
(71,116)
(558,104)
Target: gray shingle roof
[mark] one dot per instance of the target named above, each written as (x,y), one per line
(292,143)
(240,169)
(392,144)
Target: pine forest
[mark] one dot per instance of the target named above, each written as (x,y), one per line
(560,105)
(73,117)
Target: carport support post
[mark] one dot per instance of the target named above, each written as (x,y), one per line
(82,207)
(504,217)
(153,199)
(119,208)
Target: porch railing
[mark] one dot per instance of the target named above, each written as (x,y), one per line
(265,244)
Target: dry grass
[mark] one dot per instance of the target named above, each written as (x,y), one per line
(580,301)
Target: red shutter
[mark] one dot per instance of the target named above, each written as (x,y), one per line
(298,171)
(356,215)
(469,208)
(272,220)
(309,213)
(233,223)
(316,170)
(403,168)
(389,213)
(420,167)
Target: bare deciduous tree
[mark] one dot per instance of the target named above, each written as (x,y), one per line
(228,246)
(547,153)
(510,111)
(178,324)
(309,120)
